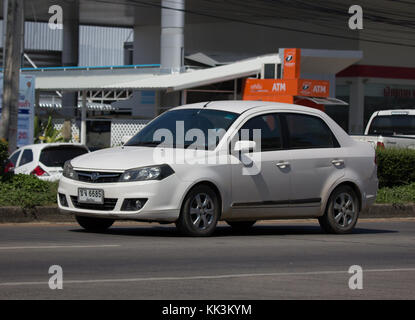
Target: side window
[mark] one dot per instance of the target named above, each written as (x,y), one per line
(270,127)
(14,157)
(306,131)
(27,157)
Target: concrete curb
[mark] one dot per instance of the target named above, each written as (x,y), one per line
(37,214)
(389,211)
(52,214)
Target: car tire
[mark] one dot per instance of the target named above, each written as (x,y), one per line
(241,225)
(342,211)
(200,212)
(94,224)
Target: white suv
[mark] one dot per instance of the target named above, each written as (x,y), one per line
(200,163)
(44,160)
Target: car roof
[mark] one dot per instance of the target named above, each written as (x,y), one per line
(39,146)
(240,106)
(397,112)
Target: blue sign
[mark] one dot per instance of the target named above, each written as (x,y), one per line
(25,120)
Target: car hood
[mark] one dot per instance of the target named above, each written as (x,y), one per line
(123,158)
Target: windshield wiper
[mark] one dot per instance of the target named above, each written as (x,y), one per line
(147,144)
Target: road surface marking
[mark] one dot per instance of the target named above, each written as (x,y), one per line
(213,277)
(60,247)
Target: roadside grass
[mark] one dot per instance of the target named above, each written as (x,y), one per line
(397,195)
(26,191)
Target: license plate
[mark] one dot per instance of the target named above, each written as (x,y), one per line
(91,196)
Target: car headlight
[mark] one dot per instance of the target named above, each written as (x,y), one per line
(68,171)
(147,173)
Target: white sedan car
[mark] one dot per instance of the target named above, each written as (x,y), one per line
(44,160)
(237,161)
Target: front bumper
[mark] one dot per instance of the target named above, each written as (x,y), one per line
(163,198)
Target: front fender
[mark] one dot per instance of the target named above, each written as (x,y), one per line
(218,175)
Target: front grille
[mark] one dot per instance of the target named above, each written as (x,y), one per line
(98,177)
(109,204)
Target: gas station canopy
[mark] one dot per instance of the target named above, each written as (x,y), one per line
(327,61)
(151,77)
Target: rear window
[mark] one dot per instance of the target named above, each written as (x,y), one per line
(57,156)
(305,131)
(393,125)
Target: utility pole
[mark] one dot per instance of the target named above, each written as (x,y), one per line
(12,60)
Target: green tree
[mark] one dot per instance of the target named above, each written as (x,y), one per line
(46,133)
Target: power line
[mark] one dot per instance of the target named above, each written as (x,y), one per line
(155,5)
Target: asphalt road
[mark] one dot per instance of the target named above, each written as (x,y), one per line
(279,260)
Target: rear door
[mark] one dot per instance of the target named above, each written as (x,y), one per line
(316,158)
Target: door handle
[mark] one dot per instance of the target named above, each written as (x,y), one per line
(337,162)
(283,164)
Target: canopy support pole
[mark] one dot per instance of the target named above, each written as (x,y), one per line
(83,118)
(184,97)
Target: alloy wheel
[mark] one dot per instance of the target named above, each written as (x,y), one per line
(202,210)
(344,209)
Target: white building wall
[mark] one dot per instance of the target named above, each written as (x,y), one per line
(101,46)
(38,36)
(98,46)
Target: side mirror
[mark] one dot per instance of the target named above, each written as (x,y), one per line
(125,139)
(245,146)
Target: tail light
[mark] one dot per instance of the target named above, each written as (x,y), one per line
(38,171)
(9,167)
(380,145)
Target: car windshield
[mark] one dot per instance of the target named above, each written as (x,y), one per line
(199,128)
(393,125)
(57,156)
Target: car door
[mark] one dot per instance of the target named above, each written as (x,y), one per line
(26,162)
(316,158)
(267,187)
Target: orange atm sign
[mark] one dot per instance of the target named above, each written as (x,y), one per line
(291,63)
(313,88)
(269,89)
